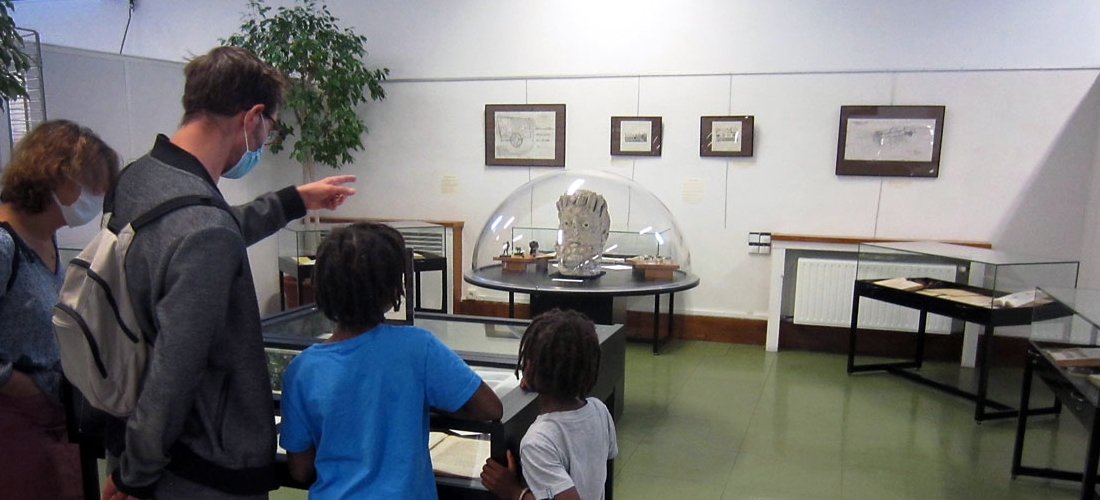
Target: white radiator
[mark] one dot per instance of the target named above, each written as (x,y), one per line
(823,295)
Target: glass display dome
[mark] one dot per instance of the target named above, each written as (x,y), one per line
(526,234)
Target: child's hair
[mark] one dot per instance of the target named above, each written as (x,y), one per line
(563,351)
(358,274)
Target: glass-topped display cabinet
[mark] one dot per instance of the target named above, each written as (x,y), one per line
(979,286)
(1064,356)
(979,277)
(490,347)
(298,243)
(1072,316)
(558,219)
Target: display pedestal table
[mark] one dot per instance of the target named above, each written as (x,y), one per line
(592,296)
(957,282)
(1080,397)
(988,317)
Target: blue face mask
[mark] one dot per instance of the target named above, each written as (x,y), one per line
(248,160)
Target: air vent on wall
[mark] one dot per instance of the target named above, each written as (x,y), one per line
(26,112)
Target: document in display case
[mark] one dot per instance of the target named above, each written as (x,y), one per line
(490,346)
(984,287)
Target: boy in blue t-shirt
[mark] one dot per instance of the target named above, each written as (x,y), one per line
(355,409)
(565,451)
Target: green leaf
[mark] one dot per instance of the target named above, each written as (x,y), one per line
(325,67)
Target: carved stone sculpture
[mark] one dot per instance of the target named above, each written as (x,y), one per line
(583,225)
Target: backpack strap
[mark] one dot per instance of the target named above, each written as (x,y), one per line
(14,256)
(169,206)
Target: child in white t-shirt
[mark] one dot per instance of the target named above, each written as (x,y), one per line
(564,453)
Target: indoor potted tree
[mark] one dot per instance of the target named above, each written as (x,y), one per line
(324,65)
(13,59)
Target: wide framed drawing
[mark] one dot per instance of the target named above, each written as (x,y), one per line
(636,135)
(725,135)
(901,141)
(525,135)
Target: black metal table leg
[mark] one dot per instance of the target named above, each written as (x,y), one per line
(1092,459)
(656,322)
(1021,420)
(671,308)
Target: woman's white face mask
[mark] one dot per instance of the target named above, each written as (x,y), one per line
(86,207)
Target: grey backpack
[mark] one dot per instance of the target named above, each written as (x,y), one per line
(103,349)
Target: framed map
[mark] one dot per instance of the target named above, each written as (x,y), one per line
(899,141)
(525,135)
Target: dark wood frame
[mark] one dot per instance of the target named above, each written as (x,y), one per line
(655,131)
(896,168)
(706,130)
(491,157)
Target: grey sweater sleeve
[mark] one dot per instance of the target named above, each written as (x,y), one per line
(263,216)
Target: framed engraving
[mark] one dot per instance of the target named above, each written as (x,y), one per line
(725,135)
(636,135)
(901,141)
(525,135)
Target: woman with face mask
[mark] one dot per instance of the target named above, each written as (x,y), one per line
(57,177)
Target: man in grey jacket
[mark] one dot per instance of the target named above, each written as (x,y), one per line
(203,426)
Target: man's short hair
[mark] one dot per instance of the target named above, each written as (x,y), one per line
(228,80)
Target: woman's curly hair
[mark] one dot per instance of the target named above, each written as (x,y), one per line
(53,151)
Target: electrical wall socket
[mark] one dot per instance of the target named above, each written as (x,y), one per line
(760,243)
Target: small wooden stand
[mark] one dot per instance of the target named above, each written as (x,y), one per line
(518,264)
(653,269)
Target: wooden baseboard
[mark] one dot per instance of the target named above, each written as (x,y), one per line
(639,324)
(1006,350)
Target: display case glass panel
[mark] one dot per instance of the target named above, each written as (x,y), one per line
(298,241)
(527,224)
(1069,316)
(970,276)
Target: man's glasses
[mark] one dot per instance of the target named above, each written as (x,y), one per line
(272,134)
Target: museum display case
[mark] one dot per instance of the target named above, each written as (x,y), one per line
(1065,356)
(298,242)
(490,347)
(579,238)
(980,286)
(526,224)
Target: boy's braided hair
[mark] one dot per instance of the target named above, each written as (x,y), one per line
(359,272)
(563,352)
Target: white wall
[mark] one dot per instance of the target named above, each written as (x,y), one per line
(506,38)
(1018,151)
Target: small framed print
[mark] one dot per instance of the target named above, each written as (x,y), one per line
(526,135)
(725,135)
(636,135)
(899,141)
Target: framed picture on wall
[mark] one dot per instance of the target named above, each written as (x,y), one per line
(725,136)
(525,135)
(901,141)
(636,135)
